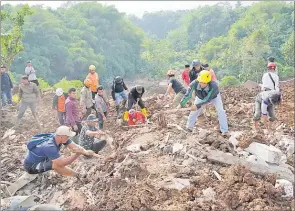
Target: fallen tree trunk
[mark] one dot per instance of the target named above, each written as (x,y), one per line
(221,157)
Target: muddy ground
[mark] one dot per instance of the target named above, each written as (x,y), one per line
(155,177)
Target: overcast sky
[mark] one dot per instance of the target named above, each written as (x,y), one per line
(136,7)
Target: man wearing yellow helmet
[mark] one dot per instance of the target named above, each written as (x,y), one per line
(93,77)
(206,91)
(176,86)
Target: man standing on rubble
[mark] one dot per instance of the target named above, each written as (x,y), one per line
(135,96)
(176,86)
(119,91)
(196,69)
(6,87)
(73,118)
(264,104)
(94,80)
(185,74)
(86,101)
(59,105)
(206,91)
(102,106)
(29,96)
(43,153)
(270,80)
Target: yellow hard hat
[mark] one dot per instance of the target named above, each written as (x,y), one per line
(204,76)
(170,72)
(92,67)
(87,82)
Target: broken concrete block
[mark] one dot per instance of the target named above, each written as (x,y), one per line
(255,159)
(177,147)
(134,148)
(179,183)
(269,154)
(209,194)
(288,187)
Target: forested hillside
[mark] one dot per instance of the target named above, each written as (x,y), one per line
(235,41)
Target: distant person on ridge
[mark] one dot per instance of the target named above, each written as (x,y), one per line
(185,74)
(93,77)
(59,105)
(31,73)
(6,87)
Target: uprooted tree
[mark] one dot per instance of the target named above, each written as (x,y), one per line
(11,42)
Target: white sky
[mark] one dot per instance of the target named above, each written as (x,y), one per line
(136,7)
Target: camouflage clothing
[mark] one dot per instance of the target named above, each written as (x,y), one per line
(86,141)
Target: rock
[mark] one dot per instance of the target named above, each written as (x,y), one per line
(177,147)
(288,187)
(12,137)
(233,138)
(134,148)
(255,159)
(209,194)
(188,162)
(270,153)
(179,183)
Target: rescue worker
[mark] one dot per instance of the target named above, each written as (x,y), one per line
(102,106)
(135,96)
(206,91)
(43,153)
(94,80)
(270,80)
(73,118)
(119,91)
(136,117)
(86,101)
(89,136)
(59,105)
(176,86)
(264,104)
(185,74)
(31,73)
(6,87)
(29,95)
(272,60)
(206,67)
(196,69)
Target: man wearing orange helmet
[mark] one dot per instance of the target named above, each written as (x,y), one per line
(270,80)
(206,91)
(176,86)
(93,77)
(86,101)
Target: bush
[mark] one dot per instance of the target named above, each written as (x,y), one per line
(229,81)
(43,85)
(66,85)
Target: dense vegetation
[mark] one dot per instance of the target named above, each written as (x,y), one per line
(235,41)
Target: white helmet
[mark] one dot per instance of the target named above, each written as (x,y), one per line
(59,92)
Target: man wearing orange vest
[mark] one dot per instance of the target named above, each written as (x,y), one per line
(59,104)
(93,77)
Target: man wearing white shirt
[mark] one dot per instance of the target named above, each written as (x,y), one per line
(31,73)
(270,80)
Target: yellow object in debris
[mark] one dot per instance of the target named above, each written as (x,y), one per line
(144,112)
(125,116)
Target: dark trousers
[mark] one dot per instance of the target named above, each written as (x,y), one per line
(132,101)
(6,97)
(100,120)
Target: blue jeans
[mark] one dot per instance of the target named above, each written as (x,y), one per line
(120,95)
(217,102)
(6,97)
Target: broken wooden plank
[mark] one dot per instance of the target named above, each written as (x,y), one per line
(221,157)
(21,182)
(217,175)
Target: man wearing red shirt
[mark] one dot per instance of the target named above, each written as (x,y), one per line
(185,74)
(136,117)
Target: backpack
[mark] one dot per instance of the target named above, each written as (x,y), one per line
(39,139)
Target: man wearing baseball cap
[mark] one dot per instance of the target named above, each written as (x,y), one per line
(43,153)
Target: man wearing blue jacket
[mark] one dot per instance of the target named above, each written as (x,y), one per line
(6,86)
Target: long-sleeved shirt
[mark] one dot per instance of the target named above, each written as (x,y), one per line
(193,74)
(31,73)
(135,94)
(204,94)
(94,81)
(72,112)
(117,88)
(185,76)
(86,98)
(101,103)
(6,83)
(267,83)
(29,93)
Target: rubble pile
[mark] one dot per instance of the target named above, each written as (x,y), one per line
(161,166)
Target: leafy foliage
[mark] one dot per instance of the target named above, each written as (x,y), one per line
(43,85)
(229,81)
(66,85)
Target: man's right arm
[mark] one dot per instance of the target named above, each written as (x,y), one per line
(61,161)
